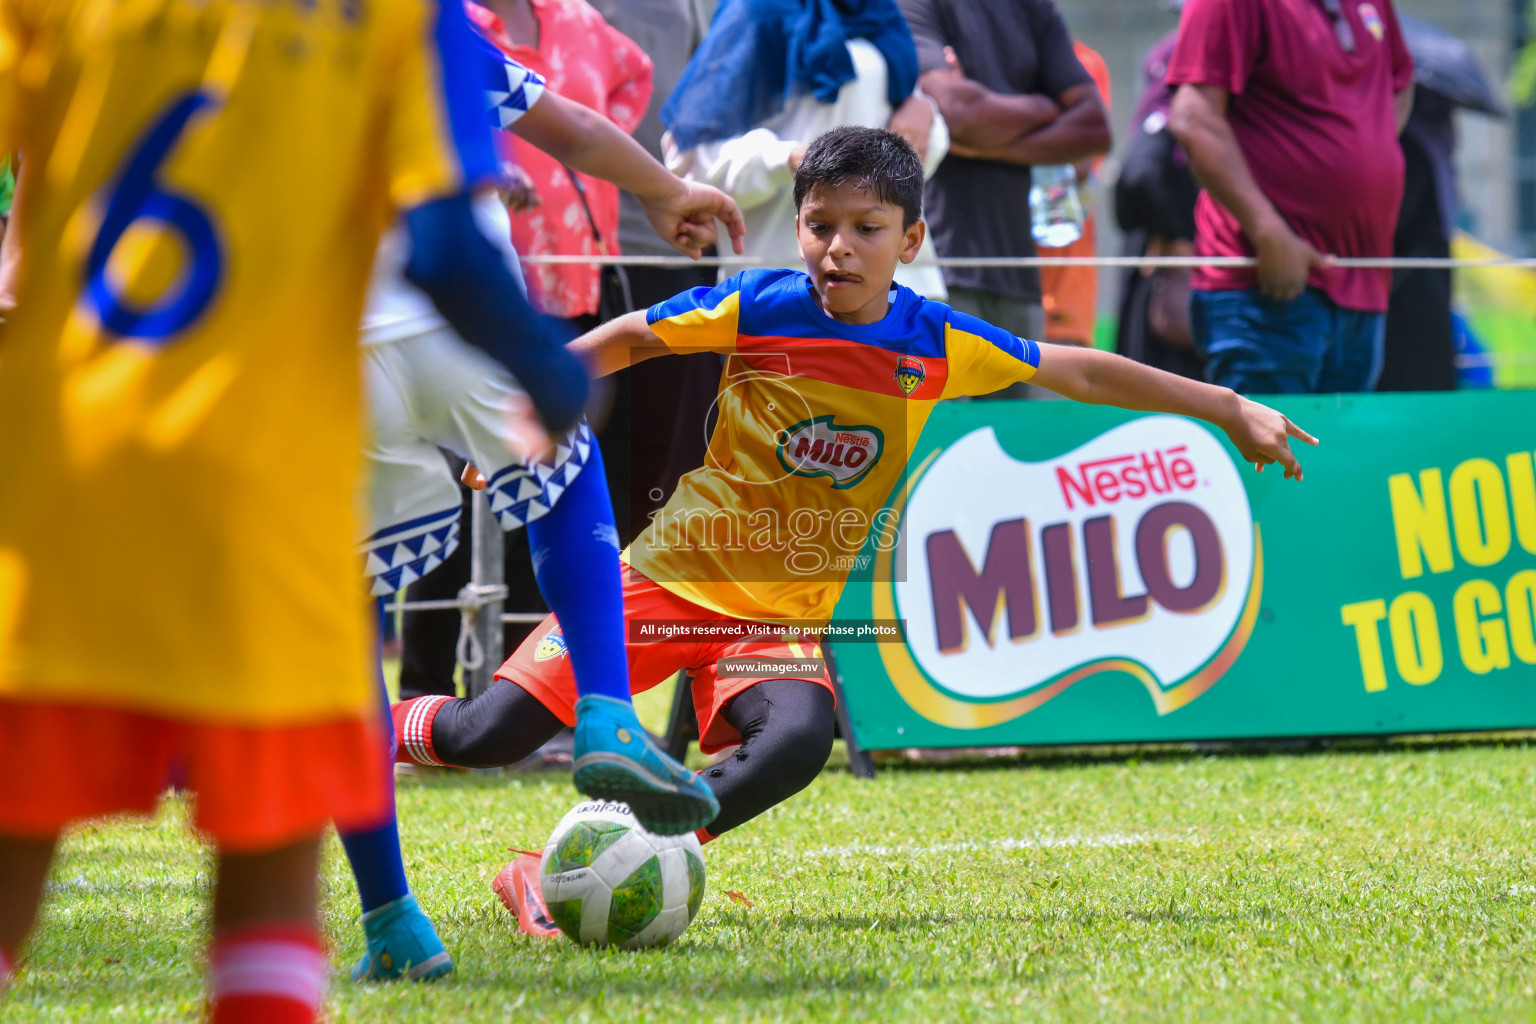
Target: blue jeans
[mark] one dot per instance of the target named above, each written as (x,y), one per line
(1310,345)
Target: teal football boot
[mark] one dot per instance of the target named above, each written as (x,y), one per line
(401,944)
(615,759)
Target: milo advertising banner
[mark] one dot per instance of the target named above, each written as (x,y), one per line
(1071,574)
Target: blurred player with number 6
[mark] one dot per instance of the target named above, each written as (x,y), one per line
(178,388)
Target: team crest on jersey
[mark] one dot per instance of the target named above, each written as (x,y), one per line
(821,447)
(552,646)
(909,374)
(1371,19)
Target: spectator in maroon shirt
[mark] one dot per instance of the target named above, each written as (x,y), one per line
(1290,111)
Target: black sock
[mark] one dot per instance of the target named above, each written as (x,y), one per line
(502,726)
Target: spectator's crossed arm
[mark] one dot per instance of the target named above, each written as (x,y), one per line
(1065,123)
(1029,129)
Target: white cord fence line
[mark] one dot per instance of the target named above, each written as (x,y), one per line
(533,618)
(1018,262)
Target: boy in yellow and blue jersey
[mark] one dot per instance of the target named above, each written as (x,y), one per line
(829,377)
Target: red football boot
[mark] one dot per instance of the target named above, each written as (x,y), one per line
(518,886)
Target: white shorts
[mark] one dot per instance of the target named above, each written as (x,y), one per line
(432,391)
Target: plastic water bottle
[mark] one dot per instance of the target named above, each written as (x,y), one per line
(1055,209)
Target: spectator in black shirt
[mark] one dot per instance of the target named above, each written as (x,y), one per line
(1006,79)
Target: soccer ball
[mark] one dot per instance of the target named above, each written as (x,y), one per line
(607,881)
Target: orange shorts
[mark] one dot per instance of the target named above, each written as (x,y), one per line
(540,665)
(256,788)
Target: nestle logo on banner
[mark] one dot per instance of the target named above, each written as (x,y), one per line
(1106,481)
(1134,553)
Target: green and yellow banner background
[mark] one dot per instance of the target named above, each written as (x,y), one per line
(1393,590)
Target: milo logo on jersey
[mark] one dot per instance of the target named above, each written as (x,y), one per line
(1135,554)
(820,446)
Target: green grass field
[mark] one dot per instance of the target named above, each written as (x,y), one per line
(1394,883)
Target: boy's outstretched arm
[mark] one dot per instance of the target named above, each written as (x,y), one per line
(1101,378)
(622,341)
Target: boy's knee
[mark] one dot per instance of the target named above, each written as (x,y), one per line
(786,724)
(815,737)
(803,746)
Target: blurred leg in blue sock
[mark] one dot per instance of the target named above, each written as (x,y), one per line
(401,940)
(575,559)
(374,853)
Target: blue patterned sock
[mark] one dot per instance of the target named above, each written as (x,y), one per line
(575,559)
(374,853)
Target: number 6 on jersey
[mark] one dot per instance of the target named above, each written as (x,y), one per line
(136,196)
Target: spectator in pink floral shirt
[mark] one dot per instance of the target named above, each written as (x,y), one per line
(585,59)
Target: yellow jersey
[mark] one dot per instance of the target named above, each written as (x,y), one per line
(816,422)
(203,185)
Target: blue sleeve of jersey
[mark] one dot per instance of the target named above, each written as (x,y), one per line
(1024,350)
(510,86)
(694,298)
(464,69)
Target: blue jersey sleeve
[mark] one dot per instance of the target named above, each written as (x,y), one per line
(462,68)
(983,358)
(700,319)
(511,88)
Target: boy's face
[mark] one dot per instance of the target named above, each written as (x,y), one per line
(851,242)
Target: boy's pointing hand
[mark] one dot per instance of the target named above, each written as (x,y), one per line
(1263,436)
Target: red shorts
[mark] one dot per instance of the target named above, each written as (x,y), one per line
(540,665)
(256,788)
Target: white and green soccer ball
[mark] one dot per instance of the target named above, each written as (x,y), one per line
(607,881)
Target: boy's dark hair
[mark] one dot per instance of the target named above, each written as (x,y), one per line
(876,159)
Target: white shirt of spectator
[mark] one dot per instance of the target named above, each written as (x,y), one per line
(395,308)
(754,168)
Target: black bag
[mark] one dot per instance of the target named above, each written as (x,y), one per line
(613,296)
(1156,190)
